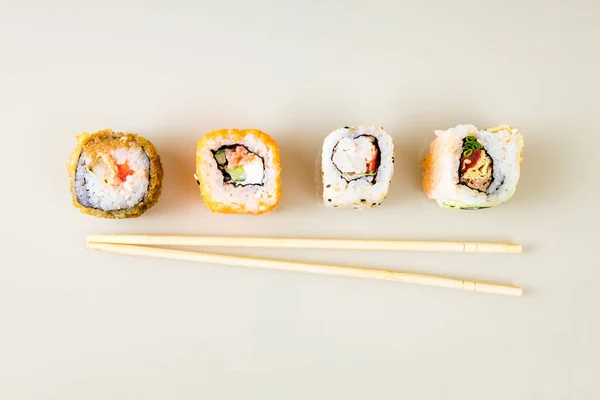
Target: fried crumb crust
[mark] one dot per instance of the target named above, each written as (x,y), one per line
(91,140)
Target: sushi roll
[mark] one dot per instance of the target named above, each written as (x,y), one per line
(238,171)
(468,168)
(357,165)
(114,175)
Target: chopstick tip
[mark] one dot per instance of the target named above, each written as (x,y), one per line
(516,248)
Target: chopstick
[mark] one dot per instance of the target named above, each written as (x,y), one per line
(333,244)
(395,276)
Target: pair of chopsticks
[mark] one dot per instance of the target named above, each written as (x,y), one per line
(137,245)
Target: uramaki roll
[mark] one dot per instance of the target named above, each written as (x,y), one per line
(357,166)
(470,169)
(114,174)
(239,171)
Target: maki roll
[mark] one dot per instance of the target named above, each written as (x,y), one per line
(357,165)
(114,174)
(469,169)
(238,171)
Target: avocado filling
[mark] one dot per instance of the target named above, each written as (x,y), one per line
(476,166)
(239,165)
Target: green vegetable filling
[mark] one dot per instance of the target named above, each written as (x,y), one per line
(220,157)
(237,174)
(470,144)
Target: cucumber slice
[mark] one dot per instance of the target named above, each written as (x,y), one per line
(238,174)
(220,157)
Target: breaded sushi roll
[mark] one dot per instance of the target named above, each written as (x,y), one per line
(357,165)
(469,169)
(114,174)
(238,171)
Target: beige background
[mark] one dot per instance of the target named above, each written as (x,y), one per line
(77,324)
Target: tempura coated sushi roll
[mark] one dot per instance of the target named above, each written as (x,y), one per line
(469,169)
(114,174)
(357,165)
(239,171)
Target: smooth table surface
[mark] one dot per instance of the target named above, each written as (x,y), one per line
(78,324)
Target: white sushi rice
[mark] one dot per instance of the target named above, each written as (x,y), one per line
(503,145)
(359,193)
(254,197)
(95,183)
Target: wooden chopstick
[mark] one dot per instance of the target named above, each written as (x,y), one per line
(339,244)
(449,283)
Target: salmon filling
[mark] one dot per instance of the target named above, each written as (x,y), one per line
(239,166)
